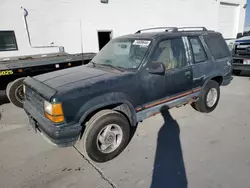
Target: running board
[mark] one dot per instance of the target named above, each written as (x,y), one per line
(144,114)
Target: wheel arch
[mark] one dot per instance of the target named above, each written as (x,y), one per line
(119,104)
(216,78)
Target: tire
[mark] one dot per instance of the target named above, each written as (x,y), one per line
(96,127)
(13,94)
(8,87)
(236,72)
(7,90)
(202,105)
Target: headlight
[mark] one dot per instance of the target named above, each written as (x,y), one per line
(48,107)
(53,112)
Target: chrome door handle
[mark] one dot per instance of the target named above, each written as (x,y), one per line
(188,74)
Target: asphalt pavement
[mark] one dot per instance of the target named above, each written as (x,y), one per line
(180,149)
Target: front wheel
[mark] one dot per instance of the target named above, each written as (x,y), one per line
(106,135)
(209,97)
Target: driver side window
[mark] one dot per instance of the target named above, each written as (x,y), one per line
(171,53)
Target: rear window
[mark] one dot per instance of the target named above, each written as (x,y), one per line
(217,46)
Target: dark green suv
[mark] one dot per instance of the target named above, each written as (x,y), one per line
(132,78)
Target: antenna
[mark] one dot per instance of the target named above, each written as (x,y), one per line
(81,40)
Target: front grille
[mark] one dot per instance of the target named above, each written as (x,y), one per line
(34,99)
(242,49)
(239,61)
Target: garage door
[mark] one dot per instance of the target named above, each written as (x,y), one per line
(228,20)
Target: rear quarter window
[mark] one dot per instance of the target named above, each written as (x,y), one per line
(217,46)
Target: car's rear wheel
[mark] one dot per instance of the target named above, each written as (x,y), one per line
(209,97)
(15,92)
(106,135)
(236,72)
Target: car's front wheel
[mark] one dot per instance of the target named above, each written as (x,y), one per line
(106,135)
(209,97)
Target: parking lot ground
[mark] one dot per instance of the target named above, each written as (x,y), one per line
(177,150)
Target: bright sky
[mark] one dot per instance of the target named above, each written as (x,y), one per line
(247,22)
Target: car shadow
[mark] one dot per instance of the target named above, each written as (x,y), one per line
(169,169)
(3,98)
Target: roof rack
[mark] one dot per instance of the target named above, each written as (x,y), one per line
(174,29)
(153,28)
(192,29)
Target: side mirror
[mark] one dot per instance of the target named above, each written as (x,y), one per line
(157,68)
(239,35)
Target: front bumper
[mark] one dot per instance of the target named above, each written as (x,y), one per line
(60,135)
(238,63)
(242,67)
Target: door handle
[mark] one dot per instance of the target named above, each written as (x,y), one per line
(188,74)
(167,72)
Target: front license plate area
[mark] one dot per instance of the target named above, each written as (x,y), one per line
(246,61)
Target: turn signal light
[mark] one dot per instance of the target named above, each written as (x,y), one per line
(55,119)
(53,112)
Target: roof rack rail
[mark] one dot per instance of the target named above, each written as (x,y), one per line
(166,29)
(192,28)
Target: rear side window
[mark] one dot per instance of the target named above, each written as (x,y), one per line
(198,50)
(217,46)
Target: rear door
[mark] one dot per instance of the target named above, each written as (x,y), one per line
(202,65)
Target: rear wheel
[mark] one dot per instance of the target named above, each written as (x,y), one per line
(15,92)
(209,97)
(106,135)
(236,72)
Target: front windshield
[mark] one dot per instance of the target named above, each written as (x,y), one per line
(123,53)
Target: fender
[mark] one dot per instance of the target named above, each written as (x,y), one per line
(114,98)
(210,77)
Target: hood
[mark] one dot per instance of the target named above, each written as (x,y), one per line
(63,78)
(244,39)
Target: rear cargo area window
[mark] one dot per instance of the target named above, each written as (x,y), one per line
(217,46)
(8,41)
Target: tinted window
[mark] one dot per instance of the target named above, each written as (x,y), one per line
(7,41)
(217,46)
(171,53)
(198,50)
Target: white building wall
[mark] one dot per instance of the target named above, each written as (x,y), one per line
(59,21)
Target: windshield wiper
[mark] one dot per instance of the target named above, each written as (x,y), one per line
(114,67)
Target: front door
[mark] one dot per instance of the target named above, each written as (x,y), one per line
(178,76)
